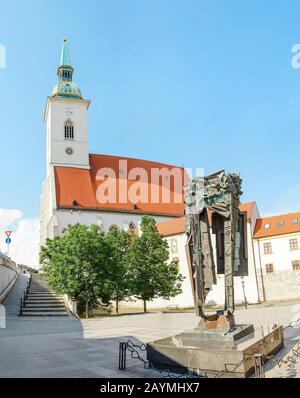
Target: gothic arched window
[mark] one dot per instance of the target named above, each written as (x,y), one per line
(131,225)
(69,130)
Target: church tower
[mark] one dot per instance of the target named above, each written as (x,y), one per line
(66,118)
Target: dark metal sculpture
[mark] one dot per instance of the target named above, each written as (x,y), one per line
(213,201)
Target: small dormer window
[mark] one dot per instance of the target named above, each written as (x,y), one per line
(69,130)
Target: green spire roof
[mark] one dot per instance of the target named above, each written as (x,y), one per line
(65,57)
(65,87)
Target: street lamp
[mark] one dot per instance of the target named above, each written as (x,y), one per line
(243,286)
(86,275)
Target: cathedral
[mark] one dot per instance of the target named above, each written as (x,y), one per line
(86,188)
(116,191)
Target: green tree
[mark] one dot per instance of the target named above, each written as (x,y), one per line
(77,264)
(147,257)
(118,242)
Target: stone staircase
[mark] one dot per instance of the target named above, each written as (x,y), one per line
(41,300)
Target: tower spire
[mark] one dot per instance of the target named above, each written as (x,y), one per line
(65,70)
(65,57)
(66,87)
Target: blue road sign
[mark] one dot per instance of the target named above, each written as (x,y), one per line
(7,241)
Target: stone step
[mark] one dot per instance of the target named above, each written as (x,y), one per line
(45,314)
(39,291)
(44,308)
(44,301)
(42,291)
(41,309)
(43,295)
(37,299)
(39,287)
(44,305)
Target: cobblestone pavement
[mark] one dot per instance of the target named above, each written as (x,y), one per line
(67,347)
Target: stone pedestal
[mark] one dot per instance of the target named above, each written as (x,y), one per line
(209,352)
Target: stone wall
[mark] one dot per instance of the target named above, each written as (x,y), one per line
(280,285)
(8,275)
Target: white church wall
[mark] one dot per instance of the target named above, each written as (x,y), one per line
(185,299)
(216,296)
(47,204)
(104,220)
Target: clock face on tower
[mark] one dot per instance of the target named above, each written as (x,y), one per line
(69,111)
(69,151)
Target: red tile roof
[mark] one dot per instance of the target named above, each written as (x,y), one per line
(172,227)
(249,208)
(82,186)
(273,228)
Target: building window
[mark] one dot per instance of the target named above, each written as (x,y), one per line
(131,225)
(267,248)
(269,268)
(294,221)
(114,227)
(296,265)
(280,223)
(69,130)
(293,244)
(267,226)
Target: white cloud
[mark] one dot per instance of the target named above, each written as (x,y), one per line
(8,217)
(24,248)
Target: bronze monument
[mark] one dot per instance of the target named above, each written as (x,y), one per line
(216,244)
(215,198)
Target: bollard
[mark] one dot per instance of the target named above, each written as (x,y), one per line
(21,306)
(122,355)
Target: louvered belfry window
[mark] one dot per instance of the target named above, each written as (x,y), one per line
(69,130)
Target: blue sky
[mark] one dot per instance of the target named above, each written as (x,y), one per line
(194,83)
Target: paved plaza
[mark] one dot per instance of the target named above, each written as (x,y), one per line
(68,347)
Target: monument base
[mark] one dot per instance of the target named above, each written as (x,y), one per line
(209,352)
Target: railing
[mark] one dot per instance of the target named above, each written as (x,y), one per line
(25,295)
(136,352)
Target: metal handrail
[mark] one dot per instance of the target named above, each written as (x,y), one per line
(25,295)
